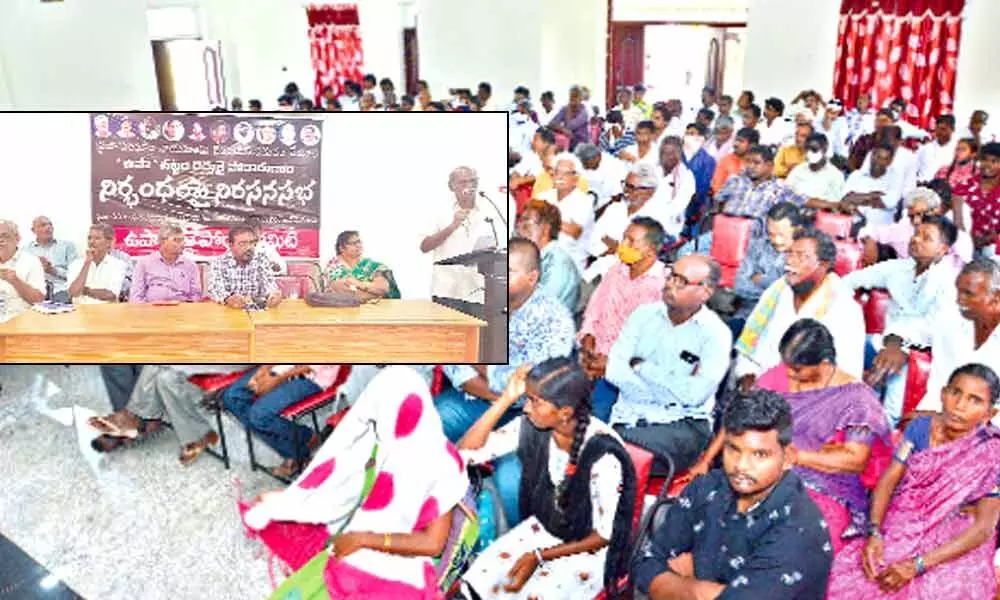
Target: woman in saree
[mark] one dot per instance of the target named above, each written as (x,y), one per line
(350,272)
(934,512)
(375,506)
(577,489)
(838,428)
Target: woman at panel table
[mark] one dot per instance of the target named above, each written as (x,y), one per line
(350,272)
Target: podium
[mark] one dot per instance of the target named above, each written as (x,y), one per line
(492,264)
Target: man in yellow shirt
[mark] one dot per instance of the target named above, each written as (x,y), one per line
(793,155)
(640,101)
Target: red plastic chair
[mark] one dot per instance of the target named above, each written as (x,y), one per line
(212,384)
(836,225)
(292,286)
(730,239)
(303,268)
(522,196)
(875,307)
(563,141)
(848,257)
(917,374)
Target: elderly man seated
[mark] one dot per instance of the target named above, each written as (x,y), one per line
(56,256)
(166,275)
(96,277)
(22,278)
(242,278)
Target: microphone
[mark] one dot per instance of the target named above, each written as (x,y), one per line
(487,198)
(496,239)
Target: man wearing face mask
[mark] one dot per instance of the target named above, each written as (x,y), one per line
(764,262)
(809,289)
(816,178)
(636,279)
(875,192)
(701,164)
(922,288)
(793,155)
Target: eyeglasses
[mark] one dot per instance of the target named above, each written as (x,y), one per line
(353,243)
(676,279)
(628,187)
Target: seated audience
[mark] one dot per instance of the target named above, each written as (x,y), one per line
(864,144)
(630,112)
(603,173)
(721,144)
(119,381)
(764,262)
(749,530)
(97,277)
(753,193)
(961,171)
(792,155)
(667,364)
(530,166)
(773,129)
(837,427)
(162,394)
(645,149)
(893,240)
(615,138)
(636,278)
(922,289)
(56,256)
(701,164)
(834,126)
(940,152)
(934,512)
(732,164)
(904,161)
(387,535)
(816,178)
(577,490)
(166,275)
(809,289)
(241,278)
(575,207)
(540,222)
(678,188)
(22,277)
(874,192)
(258,398)
(352,273)
(982,195)
(573,120)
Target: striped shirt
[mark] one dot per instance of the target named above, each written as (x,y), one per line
(615,299)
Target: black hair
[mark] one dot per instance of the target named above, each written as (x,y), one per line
(529,249)
(776,104)
(292,88)
(563,382)
(548,95)
(706,113)
(754,110)
(886,112)
(647,125)
(386,81)
(672,140)
(699,127)
(759,410)
(438,106)
(765,152)
(726,98)
(785,210)
(615,116)
(342,239)
(422,83)
(485,87)
(749,134)
(947,229)
(883,146)
(942,188)
(663,110)
(236,230)
(407,99)
(254,103)
(750,95)
(990,149)
(983,372)
(547,135)
(826,250)
(523,91)
(306,104)
(948,120)
(370,78)
(654,230)
(285,99)
(807,342)
(819,138)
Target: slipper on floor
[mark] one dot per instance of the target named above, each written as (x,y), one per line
(192,451)
(108,427)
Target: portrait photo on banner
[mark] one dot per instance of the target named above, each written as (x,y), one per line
(316,188)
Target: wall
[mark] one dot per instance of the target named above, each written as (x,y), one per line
(790,46)
(74,54)
(977,83)
(573,49)
(384,190)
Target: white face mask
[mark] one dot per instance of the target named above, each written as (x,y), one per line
(814,157)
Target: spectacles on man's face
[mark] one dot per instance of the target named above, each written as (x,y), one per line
(678,280)
(628,187)
(6,237)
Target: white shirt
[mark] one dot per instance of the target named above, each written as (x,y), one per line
(836,135)
(773,134)
(631,115)
(651,157)
(826,184)
(521,130)
(914,297)
(606,180)
(108,275)
(932,156)
(530,165)
(844,319)
(459,281)
(613,224)
(577,207)
(903,166)
(28,269)
(545,117)
(952,344)
(672,198)
(269,252)
(889,184)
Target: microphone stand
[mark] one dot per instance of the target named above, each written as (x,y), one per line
(496,239)
(495,207)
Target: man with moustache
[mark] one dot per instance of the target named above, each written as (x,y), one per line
(747,531)
(809,289)
(242,278)
(56,256)
(461,227)
(22,279)
(97,277)
(166,275)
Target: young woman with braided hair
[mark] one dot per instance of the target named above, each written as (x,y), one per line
(577,491)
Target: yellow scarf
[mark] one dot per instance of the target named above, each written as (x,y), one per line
(764,312)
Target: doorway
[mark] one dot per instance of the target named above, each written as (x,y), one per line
(189,74)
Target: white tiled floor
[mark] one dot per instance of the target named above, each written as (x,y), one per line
(132,524)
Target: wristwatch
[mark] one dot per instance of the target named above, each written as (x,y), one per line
(875,531)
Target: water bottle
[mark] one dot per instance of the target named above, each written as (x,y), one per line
(487,523)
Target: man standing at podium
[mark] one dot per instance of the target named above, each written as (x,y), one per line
(462,227)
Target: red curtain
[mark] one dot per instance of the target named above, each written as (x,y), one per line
(335,44)
(899,49)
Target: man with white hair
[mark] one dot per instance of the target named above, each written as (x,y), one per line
(166,275)
(463,227)
(575,207)
(56,256)
(604,173)
(22,279)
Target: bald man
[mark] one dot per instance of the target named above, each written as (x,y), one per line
(56,256)
(458,228)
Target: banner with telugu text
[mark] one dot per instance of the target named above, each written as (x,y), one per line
(206,173)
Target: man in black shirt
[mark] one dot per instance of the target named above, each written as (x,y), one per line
(748,531)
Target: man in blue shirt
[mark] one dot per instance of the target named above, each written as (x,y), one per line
(56,256)
(747,531)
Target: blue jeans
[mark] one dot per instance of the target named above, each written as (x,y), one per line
(895,385)
(459,413)
(603,399)
(507,477)
(262,416)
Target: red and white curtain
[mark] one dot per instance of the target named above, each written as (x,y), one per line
(899,49)
(335,45)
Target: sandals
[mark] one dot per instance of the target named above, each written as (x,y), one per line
(109,426)
(107,443)
(289,468)
(192,451)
